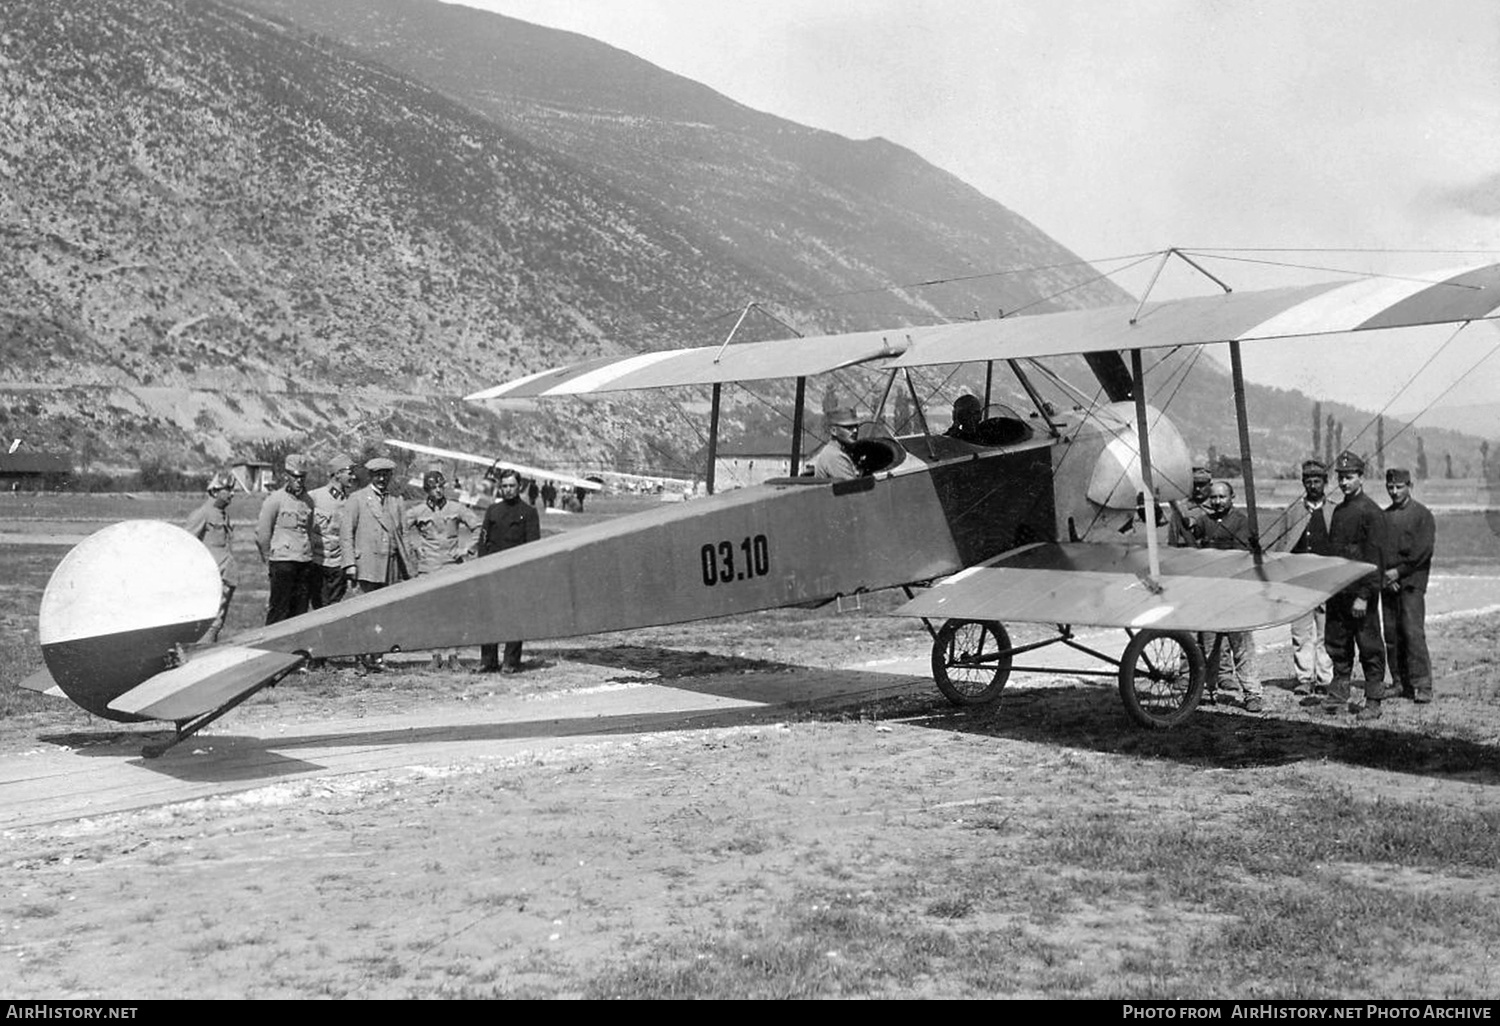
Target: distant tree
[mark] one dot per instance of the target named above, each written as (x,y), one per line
(1380,444)
(1328,441)
(1484,460)
(1317,426)
(1421,460)
(275,450)
(1225,466)
(156,475)
(903,413)
(1448,465)
(1213,457)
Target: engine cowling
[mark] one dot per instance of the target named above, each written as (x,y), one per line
(1116,481)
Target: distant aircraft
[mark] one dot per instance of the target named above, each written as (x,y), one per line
(1053,520)
(535,473)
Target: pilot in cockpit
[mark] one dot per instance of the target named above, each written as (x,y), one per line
(968,411)
(836,460)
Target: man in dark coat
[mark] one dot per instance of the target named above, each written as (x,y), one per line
(508,522)
(1357,531)
(1410,533)
(1221,526)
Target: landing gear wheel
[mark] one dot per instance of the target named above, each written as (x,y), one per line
(1161,677)
(971,661)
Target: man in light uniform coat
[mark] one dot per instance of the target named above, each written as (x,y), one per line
(442,533)
(1304,527)
(210,524)
(283,534)
(328,524)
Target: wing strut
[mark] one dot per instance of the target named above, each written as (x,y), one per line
(796,462)
(1148,509)
(1247,469)
(713,439)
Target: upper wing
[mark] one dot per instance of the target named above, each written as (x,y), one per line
(1330,308)
(1104,585)
(706,365)
(484,461)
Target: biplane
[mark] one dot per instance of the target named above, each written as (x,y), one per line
(496,464)
(1027,525)
(592,483)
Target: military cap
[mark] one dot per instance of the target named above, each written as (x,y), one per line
(845,416)
(1398,475)
(220,479)
(967,404)
(340,461)
(433,477)
(1202,476)
(379,463)
(1314,468)
(1348,463)
(296,463)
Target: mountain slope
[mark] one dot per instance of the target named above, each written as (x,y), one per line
(812,211)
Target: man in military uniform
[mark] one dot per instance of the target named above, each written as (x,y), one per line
(1356,531)
(330,582)
(1179,530)
(967,413)
(836,459)
(283,534)
(442,533)
(1221,526)
(210,524)
(1303,527)
(507,523)
(1410,533)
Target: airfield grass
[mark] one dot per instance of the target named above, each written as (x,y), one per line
(1272,906)
(1041,848)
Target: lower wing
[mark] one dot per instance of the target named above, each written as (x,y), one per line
(1107,585)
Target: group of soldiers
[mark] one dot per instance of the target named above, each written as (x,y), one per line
(1380,617)
(336,541)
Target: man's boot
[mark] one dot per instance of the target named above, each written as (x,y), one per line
(1337,697)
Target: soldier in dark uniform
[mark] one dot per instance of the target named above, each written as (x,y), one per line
(508,522)
(1356,531)
(1180,528)
(1409,534)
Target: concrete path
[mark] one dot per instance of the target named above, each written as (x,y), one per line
(54,782)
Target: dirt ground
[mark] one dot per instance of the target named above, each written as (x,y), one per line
(570,832)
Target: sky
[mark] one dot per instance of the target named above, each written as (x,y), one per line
(1121,128)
